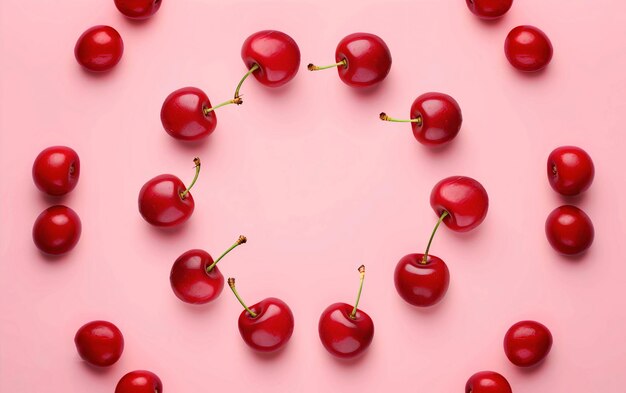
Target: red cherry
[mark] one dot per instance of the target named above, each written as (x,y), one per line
(346,331)
(271,56)
(99,48)
(570,170)
(569,230)
(57,230)
(528,49)
(56,170)
(164,201)
(487,382)
(195,278)
(138,9)
(100,343)
(363,60)
(266,326)
(527,343)
(420,281)
(435,118)
(465,200)
(140,381)
(489,9)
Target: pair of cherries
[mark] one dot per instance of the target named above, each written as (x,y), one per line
(101,343)
(56,171)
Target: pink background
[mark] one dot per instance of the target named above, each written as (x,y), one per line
(319,185)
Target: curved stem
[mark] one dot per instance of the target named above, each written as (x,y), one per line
(196,161)
(250,71)
(313,67)
(236,100)
(358,296)
(241,240)
(231,284)
(432,235)
(383,116)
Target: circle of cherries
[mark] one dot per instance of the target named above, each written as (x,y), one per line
(362,60)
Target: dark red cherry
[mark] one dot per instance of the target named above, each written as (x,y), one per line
(138,9)
(186,114)
(487,382)
(569,230)
(527,343)
(164,201)
(570,170)
(528,49)
(99,343)
(464,199)
(99,48)
(420,281)
(489,9)
(57,230)
(272,56)
(56,170)
(139,381)
(195,277)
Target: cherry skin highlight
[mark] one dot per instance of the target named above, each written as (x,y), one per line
(185,114)
(528,49)
(276,54)
(489,9)
(56,170)
(527,343)
(139,381)
(57,230)
(569,230)
(99,343)
(421,283)
(465,200)
(570,170)
(99,48)
(138,9)
(487,382)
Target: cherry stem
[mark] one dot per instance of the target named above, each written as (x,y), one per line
(196,161)
(358,296)
(313,67)
(242,239)
(250,71)
(432,235)
(383,116)
(235,100)
(231,284)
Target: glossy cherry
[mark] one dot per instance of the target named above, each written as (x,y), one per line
(435,118)
(487,382)
(362,60)
(139,381)
(265,326)
(57,230)
(99,48)
(527,343)
(346,331)
(164,201)
(138,9)
(528,49)
(489,9)
(570,170)
(195,277)
(99,343)
(569,230)
(271,56)
(56,170)
(465,200)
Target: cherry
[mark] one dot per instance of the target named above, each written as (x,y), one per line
(362,60)
(346,331)
(138,9)
(266,326)
(271,56)
(57,230)
(56,170)
(489,9)
(195,278)
(435,118)
(528,49)
(99,343)
(139,381)
(569,230)
(487,382)
(464,199)
(570,170)
(164,201)
(527,343)
(99,48)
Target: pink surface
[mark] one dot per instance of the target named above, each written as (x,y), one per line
(319,185)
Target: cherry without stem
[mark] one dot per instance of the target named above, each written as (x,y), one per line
(487,382)
(527,343)
(528,49)
(570,170)
(139,381)
(56,170)
(99,343)
(57,230)
(489,9)
(569,230)
(99,48)
(138,9)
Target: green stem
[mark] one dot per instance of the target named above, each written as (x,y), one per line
(313,67)
(206,111)
(383,116)
(358,296)
(196,161)
(231,284)
(250,71)
(241,240)
(432,235)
